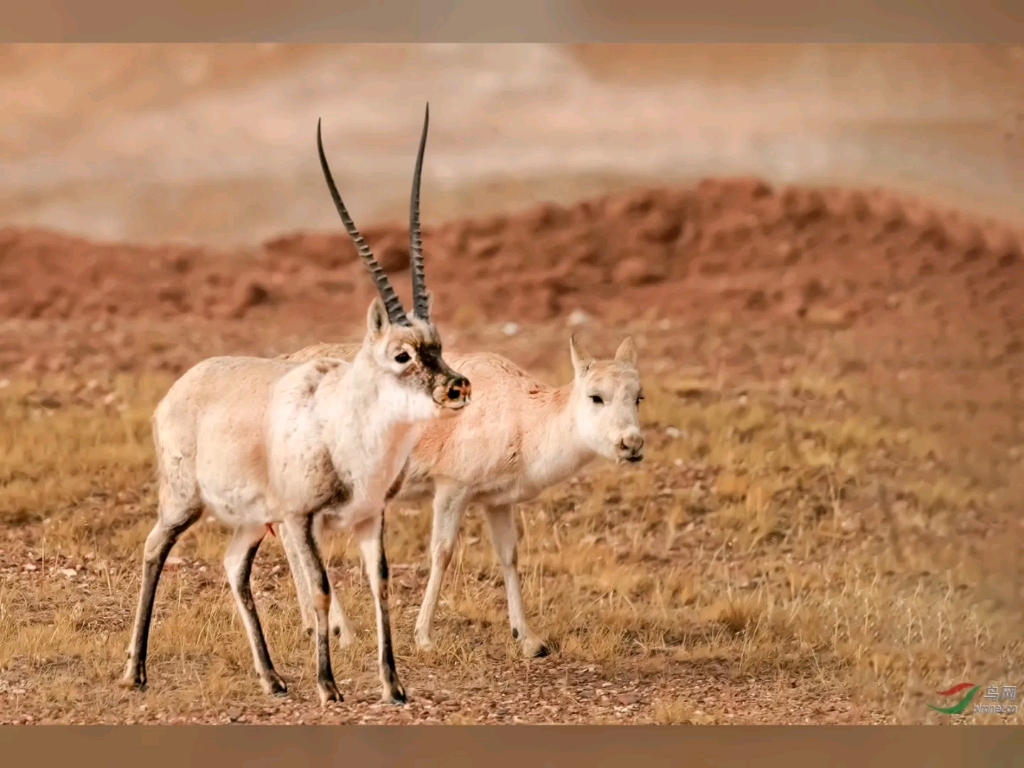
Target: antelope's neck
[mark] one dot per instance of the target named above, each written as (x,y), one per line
(554,447)
(355,416)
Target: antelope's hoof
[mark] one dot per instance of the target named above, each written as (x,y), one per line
(424,643)
(273,685)
(133,681)
(534,648)
(328,692)
(396,696)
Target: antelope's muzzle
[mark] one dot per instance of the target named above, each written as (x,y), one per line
(631,448)
(457,394)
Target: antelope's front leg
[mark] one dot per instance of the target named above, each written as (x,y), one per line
(301,530)
(371,543)
(341,626)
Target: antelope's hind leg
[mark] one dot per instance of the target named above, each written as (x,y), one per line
(505,538)
(238,562)
(450,503)
(177,511)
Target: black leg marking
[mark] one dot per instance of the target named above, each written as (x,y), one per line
(135,675)
(320,584)
(265,667)
(397,692)
(396,486)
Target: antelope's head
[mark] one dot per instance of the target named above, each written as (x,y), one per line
(606,398)
(406,349)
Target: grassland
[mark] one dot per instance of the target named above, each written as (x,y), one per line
(816,535)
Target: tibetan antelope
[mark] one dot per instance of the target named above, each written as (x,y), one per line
(259,441)
(519,438)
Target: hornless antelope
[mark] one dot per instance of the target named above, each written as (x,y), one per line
(260,441)
(519,438)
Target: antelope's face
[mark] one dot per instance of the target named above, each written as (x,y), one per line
(410,357)
(607,396)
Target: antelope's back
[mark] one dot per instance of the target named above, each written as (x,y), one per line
(216,398)
(485,440)
(344,352)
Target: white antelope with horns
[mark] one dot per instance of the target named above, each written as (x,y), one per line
(259,441)
(519,438)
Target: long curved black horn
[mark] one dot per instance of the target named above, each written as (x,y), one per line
(396,313)
(420,305)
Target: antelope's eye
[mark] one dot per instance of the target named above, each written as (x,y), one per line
(597,399)
(402,358)
(639,399)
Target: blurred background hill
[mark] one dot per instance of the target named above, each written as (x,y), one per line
(216,142)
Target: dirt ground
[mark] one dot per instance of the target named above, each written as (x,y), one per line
(825,528)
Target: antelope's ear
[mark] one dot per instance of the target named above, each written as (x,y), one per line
(626,353)
(377,321)
(580,358)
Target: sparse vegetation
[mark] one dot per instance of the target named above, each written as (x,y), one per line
(797,548)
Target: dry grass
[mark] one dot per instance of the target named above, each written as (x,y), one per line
(798,547)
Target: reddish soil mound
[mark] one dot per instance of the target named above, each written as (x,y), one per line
(827,255)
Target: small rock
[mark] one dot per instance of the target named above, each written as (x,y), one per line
(578,317)
(785,251)
(510,329)
(69,572)
(628,699)
(29,567)
(173,562)
(638,271)
(5,383)
(828,317)
(393,256)
(248,294)
(757,301)
(673,432)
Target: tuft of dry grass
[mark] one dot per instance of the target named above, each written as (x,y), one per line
(798,547)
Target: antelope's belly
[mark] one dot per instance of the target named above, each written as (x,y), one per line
(345,517)
(239,504)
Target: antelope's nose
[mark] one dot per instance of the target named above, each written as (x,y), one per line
(631,447)
(459,390)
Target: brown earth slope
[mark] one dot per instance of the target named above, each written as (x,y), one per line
(737,245)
